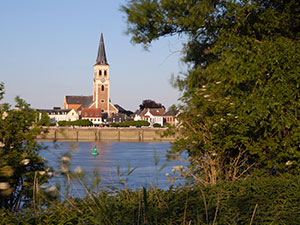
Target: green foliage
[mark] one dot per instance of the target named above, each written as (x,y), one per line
(44,120)
(75,123)
(140,123)
(19,159)
(241,96)
(272,200)
(156,125)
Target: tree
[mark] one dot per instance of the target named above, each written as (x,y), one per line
(19,160)
(241,95)
(150,104)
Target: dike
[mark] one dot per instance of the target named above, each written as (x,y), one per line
(122,134)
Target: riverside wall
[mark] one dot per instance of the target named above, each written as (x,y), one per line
(105,134)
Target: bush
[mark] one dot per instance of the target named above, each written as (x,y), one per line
(156,125)
(75,123)
(277,200)
(130,123)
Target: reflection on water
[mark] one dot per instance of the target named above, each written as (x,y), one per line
(112,155)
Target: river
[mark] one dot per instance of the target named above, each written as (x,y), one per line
(147,160)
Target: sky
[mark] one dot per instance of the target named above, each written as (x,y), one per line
(48,49)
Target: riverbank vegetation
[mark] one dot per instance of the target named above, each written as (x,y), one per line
(263,200)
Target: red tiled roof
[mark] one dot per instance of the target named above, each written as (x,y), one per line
(90,112)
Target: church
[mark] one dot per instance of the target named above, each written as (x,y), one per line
(100,100)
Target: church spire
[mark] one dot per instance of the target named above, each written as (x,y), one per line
(101,58)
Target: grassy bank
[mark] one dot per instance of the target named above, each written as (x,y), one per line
(267,200)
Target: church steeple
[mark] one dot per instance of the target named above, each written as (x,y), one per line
(101,58)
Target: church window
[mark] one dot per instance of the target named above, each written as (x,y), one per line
(102,88)
(102,110)
(100,72)
(102,100)
(104,72)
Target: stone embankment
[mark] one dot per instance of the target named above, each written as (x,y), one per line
(105,134)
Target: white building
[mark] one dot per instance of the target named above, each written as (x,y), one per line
(57,114)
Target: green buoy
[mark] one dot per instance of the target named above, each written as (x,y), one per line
(95,153)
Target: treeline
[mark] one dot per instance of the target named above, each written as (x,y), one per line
(264,200)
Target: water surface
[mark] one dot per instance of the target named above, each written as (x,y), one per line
(113,155)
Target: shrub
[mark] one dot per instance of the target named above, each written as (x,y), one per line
(156,125)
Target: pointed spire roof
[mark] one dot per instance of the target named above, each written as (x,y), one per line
(101,57)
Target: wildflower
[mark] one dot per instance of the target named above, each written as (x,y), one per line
(203,86)
(4,185)
(218,82)
(65,158)
(206,96)
(203,89)
(64,169)
(231,103)
(288,163)
(228,114)
(215,125)
(25,161)
(51,189)
(6,171)
(78,170)
(221,119)
(236,117)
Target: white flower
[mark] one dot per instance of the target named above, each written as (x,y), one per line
(288,163)
(64,169)
(215,125)
(65,158)
(231,103)
(1,145)
(203,86)
(236,117)
(51,189)
(4,185)
(78,170)
(221,119)
(203,89)
(228,114)
(218,82)
(25,161)
(42,173)
(178,168)
(206,96)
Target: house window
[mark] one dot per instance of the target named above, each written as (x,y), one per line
(100,72)
(104,72)
(102,100)
(102,88)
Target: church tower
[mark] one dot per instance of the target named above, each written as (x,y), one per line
(101,82)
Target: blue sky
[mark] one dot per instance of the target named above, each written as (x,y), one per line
(48,49)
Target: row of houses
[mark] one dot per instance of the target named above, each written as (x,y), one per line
(152,115)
